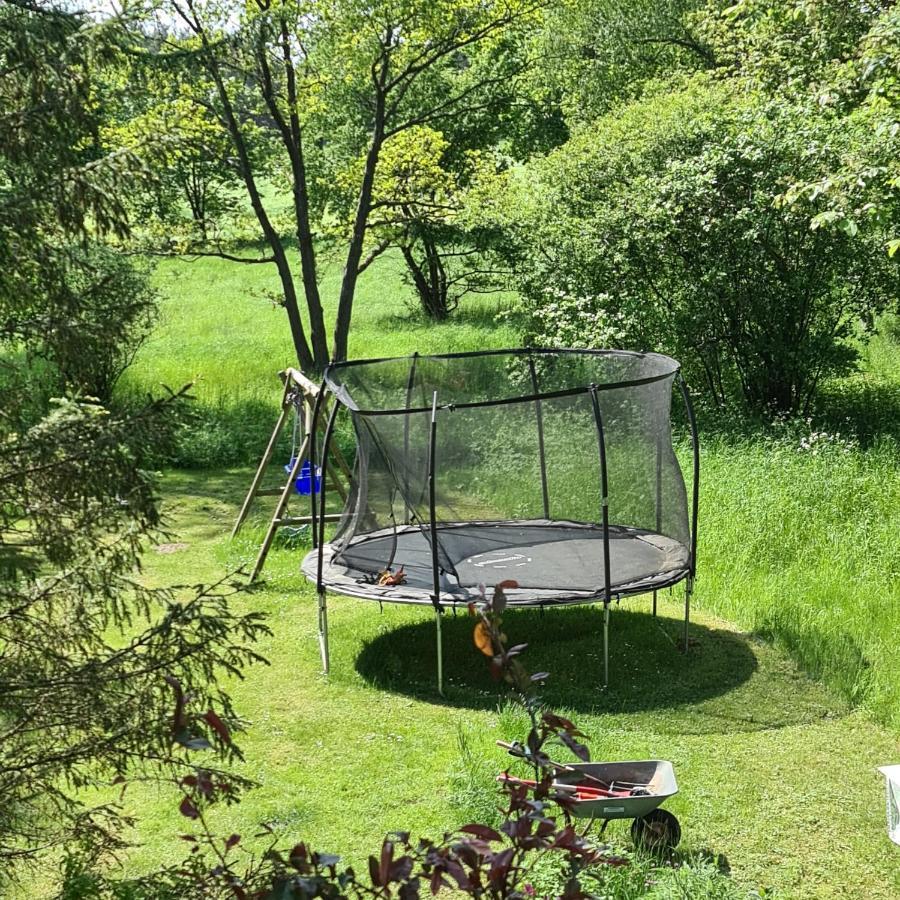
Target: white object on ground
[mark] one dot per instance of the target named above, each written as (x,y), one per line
(892,788)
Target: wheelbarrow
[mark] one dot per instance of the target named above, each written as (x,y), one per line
(627,790)
(619,790)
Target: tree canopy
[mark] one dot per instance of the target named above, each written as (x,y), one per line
(323,90)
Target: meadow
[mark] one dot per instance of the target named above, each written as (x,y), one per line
(775,720)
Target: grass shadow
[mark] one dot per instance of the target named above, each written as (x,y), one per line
(475,313)
(648,670)
(863,406)
(727,682)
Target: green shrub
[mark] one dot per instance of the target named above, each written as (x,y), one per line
(660,227)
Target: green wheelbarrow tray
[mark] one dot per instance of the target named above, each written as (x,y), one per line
(656,776)
(653,781)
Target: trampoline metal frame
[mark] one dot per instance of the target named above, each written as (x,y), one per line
(318,516)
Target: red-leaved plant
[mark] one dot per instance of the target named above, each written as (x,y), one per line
(476,859)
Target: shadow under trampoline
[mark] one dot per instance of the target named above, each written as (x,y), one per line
(652,671)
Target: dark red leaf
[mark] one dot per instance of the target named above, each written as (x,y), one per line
(500,866)
(374,873)
(482,831)
(188,809)
(579,750)
(559,723)
(401,869)
(233,841)
(218,725)
(458,874)
(387,856)
(298,856)
(565,838)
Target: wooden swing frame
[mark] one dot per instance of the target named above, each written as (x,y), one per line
(299,394)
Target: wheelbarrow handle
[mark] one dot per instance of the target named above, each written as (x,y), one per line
(580,791)
(519,751)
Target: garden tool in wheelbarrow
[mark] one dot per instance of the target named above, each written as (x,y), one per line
(617,790)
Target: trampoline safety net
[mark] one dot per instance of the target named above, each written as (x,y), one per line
(551,468)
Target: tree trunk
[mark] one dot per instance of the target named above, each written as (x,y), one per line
(301,346)
(360,222)
(293,139)
(431,288)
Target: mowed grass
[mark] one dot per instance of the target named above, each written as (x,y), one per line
(798,556)
(777,774)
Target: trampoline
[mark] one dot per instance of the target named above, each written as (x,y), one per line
(550,468)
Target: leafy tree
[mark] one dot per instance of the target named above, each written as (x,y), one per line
(335,81)
(601,52)
(425,173)
(192,193)
(85,648)
(660,223)
(785,47)
(856,75)
(420,189)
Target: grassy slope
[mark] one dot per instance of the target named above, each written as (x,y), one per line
(219,323)
(798,544)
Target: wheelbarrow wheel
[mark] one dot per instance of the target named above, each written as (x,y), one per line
(658,831)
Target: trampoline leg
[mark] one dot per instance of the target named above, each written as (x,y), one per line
(440,653)
(688,590)
(323,632)
(654,603)
(605,645)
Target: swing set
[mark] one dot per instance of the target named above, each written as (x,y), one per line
(298,401)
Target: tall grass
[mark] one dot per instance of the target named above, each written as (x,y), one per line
(222,328)
(799,541)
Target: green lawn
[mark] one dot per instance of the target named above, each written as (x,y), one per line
(776,773)
(798,550)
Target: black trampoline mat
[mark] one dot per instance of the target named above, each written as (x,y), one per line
(551,562)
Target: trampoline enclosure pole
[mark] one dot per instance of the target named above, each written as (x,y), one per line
(695,503)
(317,408)
(440,652)
(323,632)
(695,447)
(410,382)
(320,585)
(688,590)
(605,644)
(539,415)
(604,512)
(435,566)
(659,444)
(323,489)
